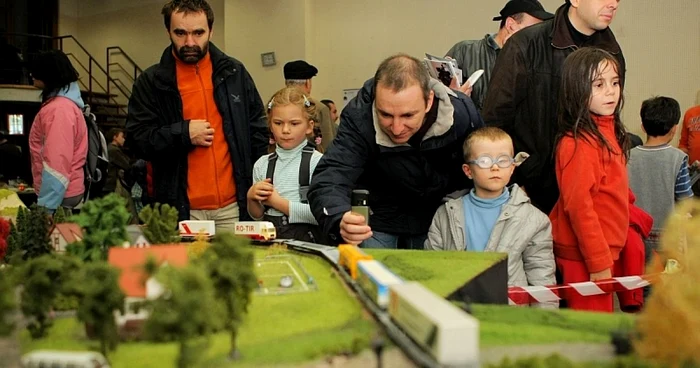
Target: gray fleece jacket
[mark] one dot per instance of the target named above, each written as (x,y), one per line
(522,231)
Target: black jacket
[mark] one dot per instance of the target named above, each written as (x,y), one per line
(523,97)
(472,55)
(158,133)
(406,184)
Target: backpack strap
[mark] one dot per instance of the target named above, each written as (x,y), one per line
(305,172)
(271,162)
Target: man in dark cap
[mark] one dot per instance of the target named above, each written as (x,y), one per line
(472,55)
(524,90)
(298,74)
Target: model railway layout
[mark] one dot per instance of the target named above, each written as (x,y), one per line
(429,329)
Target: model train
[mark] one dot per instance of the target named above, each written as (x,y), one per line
(349,256)
(446,332)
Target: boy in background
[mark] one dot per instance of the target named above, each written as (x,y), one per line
(494,217)
(658,172)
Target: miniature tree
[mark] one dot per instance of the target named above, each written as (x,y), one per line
(7,303)
(173,314)
(4,234)
(43,279)
(197,248)
(104,222)
(161,223)
(229,264)
(59,217)
(668,326)
(100,295)
(15,240)
(35,234)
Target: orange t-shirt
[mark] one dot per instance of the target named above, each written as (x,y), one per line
(210,181)
(591,217)
(690,134)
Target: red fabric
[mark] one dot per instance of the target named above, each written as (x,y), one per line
(690,134)
(149,180)
(591,217)
(576,271)
(631,262)
(4,233)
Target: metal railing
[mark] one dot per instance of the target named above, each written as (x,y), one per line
(114,90)
(113,51)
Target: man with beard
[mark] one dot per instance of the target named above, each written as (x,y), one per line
(198,118)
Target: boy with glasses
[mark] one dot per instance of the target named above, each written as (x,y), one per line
(494,217)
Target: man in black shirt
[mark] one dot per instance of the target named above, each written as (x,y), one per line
(523,94)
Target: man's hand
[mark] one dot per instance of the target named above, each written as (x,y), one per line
(354,229)
(201,133)
(602,275)
(261,190)
(466,88)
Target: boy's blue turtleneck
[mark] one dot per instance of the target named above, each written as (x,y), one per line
(480,215)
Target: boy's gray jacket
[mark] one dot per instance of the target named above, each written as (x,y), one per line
(522,231)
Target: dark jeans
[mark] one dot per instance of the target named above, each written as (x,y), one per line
(382,240)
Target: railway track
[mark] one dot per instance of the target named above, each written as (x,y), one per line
(331,255)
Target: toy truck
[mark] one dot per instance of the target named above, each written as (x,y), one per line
(375,279)
(192,228)
(448,333)
(256,230)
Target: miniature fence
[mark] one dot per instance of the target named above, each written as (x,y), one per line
(539,294)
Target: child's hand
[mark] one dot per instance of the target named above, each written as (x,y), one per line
(602,275)
(273,199)
(261,190)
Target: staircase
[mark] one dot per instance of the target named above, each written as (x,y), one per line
(106,89)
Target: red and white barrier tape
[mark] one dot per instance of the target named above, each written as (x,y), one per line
(540,294)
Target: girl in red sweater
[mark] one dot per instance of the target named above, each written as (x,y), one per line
(590,219)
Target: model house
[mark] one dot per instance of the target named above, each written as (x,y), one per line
(136,285)
(135,237)
(63,234)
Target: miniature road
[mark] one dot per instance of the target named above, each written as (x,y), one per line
(9,352)
(394,358)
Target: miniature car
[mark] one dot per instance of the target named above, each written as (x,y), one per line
(286,281)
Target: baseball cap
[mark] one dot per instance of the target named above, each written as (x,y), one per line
(299,69)
(531,7)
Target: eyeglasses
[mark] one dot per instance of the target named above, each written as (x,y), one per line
(487,162)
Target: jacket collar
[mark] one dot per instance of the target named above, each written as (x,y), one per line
(165,78)
(491,42)
(517,197)
(445,117)
(562,39)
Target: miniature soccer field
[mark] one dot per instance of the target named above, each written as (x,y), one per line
(274,270)
(293,328)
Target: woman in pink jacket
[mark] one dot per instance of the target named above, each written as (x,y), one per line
(58,137)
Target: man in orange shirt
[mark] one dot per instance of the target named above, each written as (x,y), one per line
(198,117)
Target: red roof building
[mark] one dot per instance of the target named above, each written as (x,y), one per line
(63,234)
(131,261)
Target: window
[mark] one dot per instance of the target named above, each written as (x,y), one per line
(15,124)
